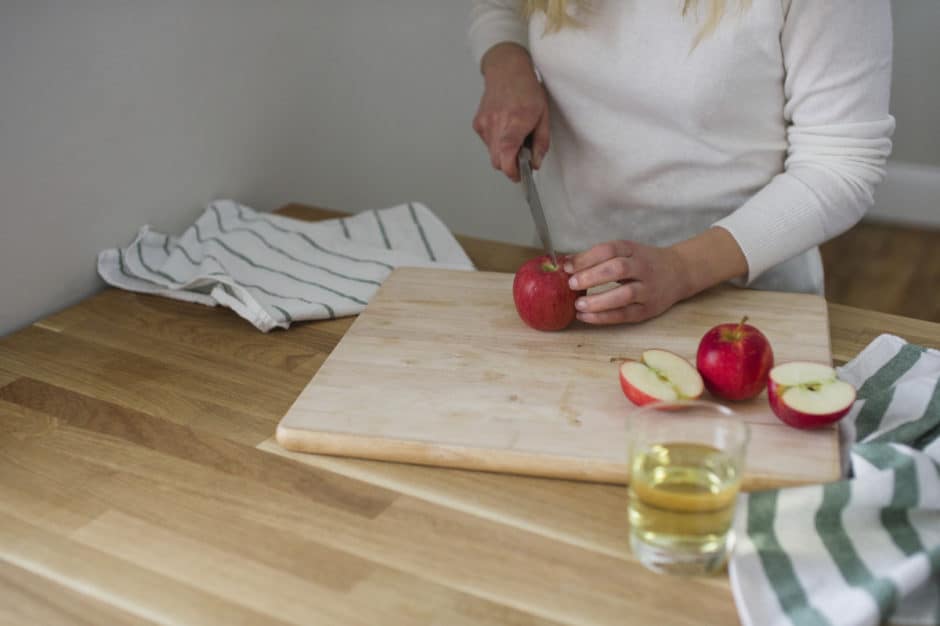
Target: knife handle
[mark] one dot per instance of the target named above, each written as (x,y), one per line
(525,151)
(529,140)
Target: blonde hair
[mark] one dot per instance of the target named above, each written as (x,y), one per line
(556,12)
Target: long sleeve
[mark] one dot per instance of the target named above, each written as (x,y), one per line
(837,57)
(493,22)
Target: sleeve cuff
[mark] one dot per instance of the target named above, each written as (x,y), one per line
(488,29)
(781,221)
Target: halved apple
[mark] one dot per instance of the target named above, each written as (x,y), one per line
(808,395)
(660,376)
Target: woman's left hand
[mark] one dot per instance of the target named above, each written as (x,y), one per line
(651,280)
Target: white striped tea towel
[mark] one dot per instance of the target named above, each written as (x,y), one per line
(273,270)
(865,549)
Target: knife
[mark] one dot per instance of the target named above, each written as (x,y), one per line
(532,197)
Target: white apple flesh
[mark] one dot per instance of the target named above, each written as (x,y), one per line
(808,395)
(660,376)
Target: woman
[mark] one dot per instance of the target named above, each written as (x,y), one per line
(690,145)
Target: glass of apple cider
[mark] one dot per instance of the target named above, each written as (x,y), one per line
(686,461)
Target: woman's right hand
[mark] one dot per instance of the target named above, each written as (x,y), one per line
(514,104)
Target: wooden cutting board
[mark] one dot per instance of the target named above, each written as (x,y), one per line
(440,370)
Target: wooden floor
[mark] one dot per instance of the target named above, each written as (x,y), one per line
(885,268)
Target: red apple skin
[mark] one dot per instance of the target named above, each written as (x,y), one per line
(734,361)
(633,394)
(796,419)
(542,296)
(639,398)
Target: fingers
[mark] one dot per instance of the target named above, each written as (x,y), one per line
(503,136)
(647,275)
(598,254)
(480,125)
(504,148)
(632,313)
(540,141)
(507,153)
(618,268)
(616,298)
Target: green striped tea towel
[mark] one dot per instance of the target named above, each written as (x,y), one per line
(273,270)
(866,549)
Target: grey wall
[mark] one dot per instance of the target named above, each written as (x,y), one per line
(119,113)
(916,89)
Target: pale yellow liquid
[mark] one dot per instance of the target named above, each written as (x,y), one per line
(682,499)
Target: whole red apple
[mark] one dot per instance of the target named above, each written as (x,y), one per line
(543,298)
(734,360)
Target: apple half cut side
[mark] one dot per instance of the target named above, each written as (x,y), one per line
(660,376)
(808,395)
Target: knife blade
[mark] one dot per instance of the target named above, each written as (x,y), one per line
(532,198)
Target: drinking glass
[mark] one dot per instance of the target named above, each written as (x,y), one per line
(686,461)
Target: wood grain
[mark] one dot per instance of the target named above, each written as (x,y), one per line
(590,515)
(439,370)
(886,268)
(184,443)
(853,329)
(28,598)
(113,582)
(413,536)
(131,491)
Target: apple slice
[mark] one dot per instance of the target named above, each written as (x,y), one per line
(660,376)
(808,395)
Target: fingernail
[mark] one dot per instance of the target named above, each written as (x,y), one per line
(580,304)
(568,267)
(572,282)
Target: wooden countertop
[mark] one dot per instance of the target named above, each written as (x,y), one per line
(139,484)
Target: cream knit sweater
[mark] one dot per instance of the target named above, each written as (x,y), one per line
(776,127)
